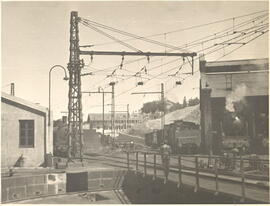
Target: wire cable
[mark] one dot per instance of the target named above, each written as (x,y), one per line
(111,37)
(188,28)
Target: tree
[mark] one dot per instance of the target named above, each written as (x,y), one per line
(195,101)
(152,107)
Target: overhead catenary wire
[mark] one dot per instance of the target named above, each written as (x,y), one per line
(92,23)
(188,28)
(111,37)
(167,63)
(210,52)
(236,26)
(230,51)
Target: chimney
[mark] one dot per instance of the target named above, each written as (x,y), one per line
(12,89)
(64,119)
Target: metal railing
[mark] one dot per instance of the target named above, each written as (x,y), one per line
(214,166)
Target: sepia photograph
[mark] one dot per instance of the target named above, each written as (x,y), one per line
(134,102)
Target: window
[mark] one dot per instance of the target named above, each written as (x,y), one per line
(27,131)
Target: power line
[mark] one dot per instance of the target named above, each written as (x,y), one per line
(188,28)
(109,36)
(205,49)
(196,58)
(226,34)
(129,34)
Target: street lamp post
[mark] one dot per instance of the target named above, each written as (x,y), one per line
(65,78)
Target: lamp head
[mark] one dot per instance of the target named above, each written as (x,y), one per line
(66,78)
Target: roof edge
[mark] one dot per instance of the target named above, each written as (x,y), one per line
(23,102)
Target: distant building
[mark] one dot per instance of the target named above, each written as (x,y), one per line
(234,105)
(122,121)
(25,133)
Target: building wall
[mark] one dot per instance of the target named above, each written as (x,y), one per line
(10,150)
(119,124)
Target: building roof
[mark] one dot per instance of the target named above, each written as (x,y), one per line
(24,104)
(237,62)
(236,66)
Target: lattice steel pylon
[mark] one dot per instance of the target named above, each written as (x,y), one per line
(75,120)
(75,138)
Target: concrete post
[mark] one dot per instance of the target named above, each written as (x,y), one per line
(206,120)
(205,107)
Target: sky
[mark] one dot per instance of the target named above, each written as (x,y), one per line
(35,37)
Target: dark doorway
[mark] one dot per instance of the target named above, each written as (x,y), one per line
(77,182)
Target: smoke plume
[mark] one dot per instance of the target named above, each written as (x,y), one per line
(235,96)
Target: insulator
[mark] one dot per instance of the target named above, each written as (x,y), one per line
(112,83)
(140,83)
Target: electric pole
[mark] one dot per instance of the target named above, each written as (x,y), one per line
(75,141)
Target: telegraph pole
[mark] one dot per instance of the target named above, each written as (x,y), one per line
(162,119)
